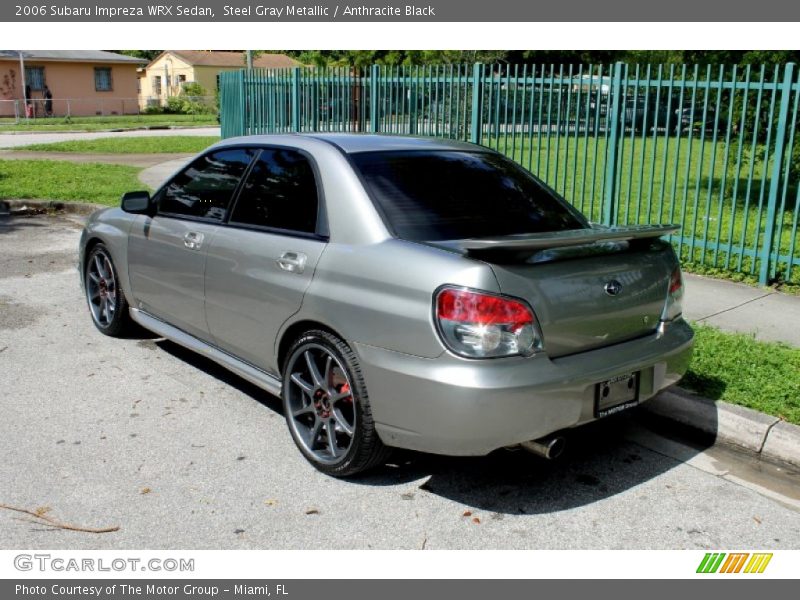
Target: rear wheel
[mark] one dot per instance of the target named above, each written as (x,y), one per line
(106,301)
(327,407)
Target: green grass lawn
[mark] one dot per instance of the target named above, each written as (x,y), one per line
(59,180)
(738,369)
(128,145)
(108,122)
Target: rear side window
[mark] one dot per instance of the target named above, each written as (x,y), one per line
(204,189)
(448,195)
(280,193)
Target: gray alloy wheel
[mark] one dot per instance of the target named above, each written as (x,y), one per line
(320,401)
(106,301)
(327,408)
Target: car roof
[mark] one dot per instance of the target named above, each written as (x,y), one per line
(351,143)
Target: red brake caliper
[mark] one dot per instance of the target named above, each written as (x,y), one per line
(346,388)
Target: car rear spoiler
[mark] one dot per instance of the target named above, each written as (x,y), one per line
(533,242)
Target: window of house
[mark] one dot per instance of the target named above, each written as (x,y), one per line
(280,193)
(34,77)
(157,85)
(181,78)
(102,79)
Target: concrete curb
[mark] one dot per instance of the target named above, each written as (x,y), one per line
(23,207)
(761,434)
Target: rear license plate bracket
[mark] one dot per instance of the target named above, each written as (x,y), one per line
(616,394)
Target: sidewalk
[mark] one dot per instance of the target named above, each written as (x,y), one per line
(15,140)
(772,316)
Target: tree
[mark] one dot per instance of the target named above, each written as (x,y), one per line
(145,54)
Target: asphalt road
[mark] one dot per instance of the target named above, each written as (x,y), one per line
(179,454)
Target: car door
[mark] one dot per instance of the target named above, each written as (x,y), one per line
(260,264)
(167,252)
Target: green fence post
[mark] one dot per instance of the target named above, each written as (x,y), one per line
(477,81)
(374,79)
(224,111)
(243,103)
(614,133)
(296,99)
(775,179)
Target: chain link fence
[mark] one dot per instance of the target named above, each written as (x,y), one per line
(14,112)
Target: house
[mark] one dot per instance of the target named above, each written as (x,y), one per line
(168,72)
(82,82)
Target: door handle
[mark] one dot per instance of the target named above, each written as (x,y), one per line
(293,262)
(193,240)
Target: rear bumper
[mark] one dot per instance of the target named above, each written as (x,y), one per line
(448,405)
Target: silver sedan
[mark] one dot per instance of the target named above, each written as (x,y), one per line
(394,292)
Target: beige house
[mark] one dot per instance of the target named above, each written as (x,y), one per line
(168,72)
(82,82)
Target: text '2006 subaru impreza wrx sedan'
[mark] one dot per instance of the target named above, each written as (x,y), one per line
(394,292)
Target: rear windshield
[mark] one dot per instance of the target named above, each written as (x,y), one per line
(449,195)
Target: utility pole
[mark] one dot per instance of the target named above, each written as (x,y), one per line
(249,55)
(24,85)
(166,81)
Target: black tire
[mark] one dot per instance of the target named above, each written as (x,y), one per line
(365,449)
(107,304)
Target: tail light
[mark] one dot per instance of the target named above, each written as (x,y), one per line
(482,325)
(674,305)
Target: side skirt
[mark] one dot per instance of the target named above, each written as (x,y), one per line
(244,370)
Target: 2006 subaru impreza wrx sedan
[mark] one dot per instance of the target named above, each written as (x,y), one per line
(394,292)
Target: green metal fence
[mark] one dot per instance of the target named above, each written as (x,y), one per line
(712,148)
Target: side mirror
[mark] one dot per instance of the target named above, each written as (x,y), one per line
(137,203)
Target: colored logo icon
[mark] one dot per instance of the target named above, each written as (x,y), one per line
(735,562)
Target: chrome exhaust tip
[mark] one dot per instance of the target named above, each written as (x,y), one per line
(546,447)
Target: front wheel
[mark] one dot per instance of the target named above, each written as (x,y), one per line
(327,407)
(106,300)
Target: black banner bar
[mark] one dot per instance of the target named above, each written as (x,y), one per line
(347,589)
(390,11)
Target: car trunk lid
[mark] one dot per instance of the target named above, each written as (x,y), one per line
(589,288)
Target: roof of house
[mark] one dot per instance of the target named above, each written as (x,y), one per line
(97,56)
(209,58)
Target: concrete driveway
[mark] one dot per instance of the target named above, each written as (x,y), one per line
(181,455)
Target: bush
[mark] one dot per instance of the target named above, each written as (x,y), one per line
(193,89)
(191,101)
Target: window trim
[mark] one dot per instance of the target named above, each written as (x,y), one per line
(110,79)
(290,233)
(321,230)
(159,194)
